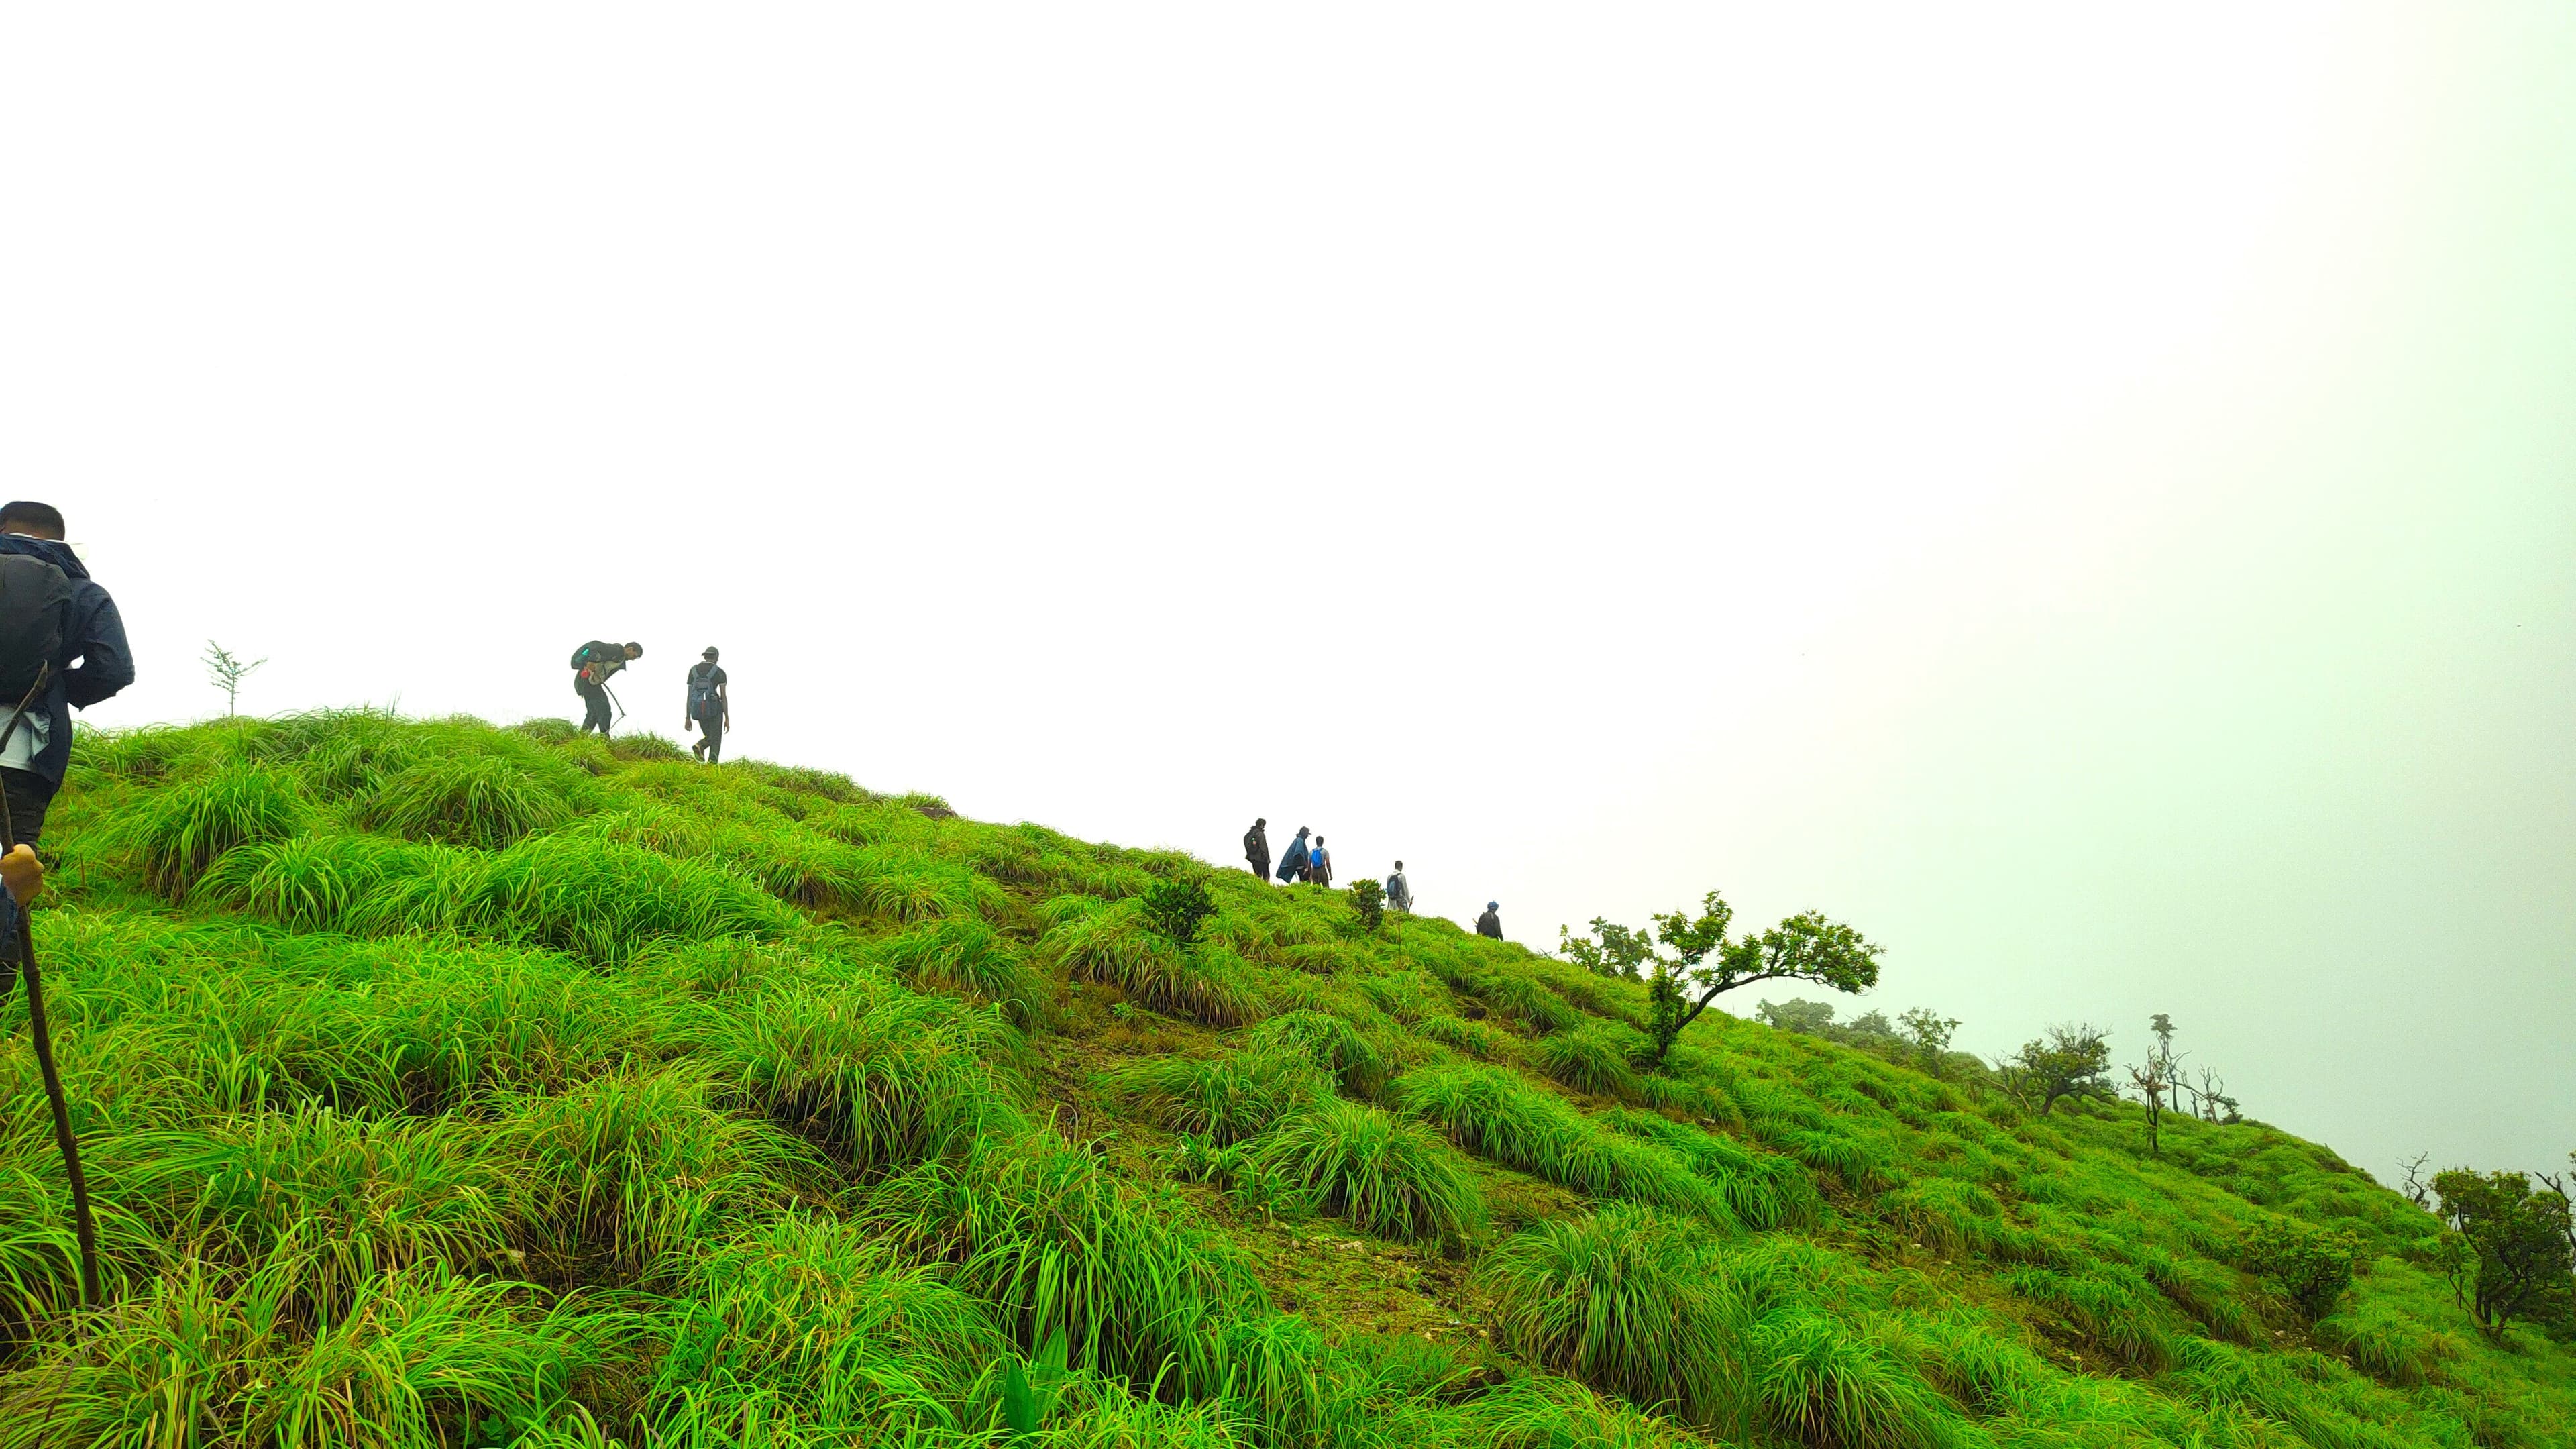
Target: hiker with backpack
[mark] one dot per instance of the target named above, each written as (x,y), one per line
(1490,925)
(1319,863)
(1292,866)
(710,708)
(1256,849)
(1399,892)
(62,639)
(592,664)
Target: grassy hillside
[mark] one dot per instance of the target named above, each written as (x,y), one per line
(444,1084)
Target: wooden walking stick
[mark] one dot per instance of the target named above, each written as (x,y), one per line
(43,1033)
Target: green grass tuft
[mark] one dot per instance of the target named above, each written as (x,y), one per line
(479,801)
(1633,1304)
(185,828)
(1385,1176)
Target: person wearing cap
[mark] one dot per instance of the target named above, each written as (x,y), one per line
(1490,925)
(710,708)
(94,663)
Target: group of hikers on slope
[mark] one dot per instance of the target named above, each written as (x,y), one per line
(1312,864)
(709,710)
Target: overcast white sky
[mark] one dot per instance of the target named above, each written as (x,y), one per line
(2090,500)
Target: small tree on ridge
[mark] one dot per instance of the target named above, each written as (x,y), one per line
(1706,964)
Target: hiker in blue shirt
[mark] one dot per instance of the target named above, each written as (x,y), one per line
(1292,866)
(1319,864)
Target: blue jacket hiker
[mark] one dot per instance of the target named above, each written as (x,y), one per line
(1292,866)
(94,664)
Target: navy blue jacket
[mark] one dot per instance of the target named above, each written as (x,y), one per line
(95,663)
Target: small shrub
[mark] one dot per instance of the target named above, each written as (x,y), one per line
(1385,1176)
(2311,1266)
(1368,898)
(1176,907)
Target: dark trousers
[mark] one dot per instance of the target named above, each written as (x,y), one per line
(1260,866)
(594,701)
(29,795)
(713,732)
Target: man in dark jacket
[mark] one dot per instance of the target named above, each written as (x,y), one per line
(1256,848)
(710,708)
(592,663)
(95,665)
(1489,925)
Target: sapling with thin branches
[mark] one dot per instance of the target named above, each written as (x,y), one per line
(2158,1079)
(226,673)
(1930,1032)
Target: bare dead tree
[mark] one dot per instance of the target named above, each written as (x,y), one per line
(2419,1188)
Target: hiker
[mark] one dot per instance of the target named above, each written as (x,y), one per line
(1319,864)
(1256,848)
(710,708)
(592,664)
(1292,866)
(1399,892)
(51,614)
(1490,925)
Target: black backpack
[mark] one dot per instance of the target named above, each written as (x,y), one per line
(35,620)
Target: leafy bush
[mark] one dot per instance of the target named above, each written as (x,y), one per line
(1368,899)
(2311,1266)
(1175,907)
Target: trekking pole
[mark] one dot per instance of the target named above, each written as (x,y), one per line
(43,1033)
(613,699)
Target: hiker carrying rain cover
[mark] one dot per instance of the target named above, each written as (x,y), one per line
(592,664)
(1292,866)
